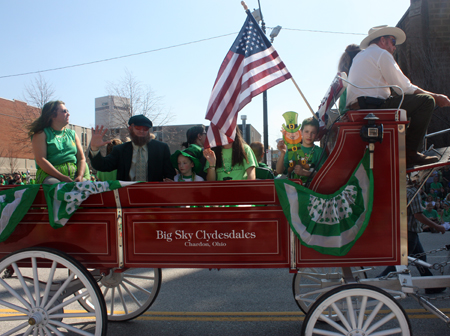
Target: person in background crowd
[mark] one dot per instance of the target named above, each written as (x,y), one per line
(57,149)
(19,180)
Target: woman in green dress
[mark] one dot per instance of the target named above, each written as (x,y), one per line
(57,149)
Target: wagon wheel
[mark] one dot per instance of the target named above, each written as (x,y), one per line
(362,310)
(39,301)
(128,294)
(310,283)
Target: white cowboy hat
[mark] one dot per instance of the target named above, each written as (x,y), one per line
(383,31)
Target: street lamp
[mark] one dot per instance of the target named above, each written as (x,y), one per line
(274,33)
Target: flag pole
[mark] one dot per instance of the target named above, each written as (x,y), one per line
(304,98)
(293,80)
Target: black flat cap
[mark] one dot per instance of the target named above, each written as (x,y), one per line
(140,120)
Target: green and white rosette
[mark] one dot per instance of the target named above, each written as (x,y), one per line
(330,224)
(63,199)
(14,204)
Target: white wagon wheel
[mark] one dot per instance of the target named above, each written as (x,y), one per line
(310,283)
(39,301)
(362,310)
(127,294)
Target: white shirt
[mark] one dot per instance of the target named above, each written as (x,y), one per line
(375,66)
(197,178)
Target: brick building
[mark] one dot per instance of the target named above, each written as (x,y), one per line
(425,56)
(15,147)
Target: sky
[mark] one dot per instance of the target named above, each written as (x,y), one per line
(48,34)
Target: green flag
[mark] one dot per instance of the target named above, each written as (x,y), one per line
(14,204)
(330,224)
(64,198)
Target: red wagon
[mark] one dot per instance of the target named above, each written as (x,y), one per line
(113,248)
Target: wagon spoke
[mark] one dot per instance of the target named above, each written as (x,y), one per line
(329,321)
(67,302)
(14,318)
(54,330)
(122,300)
(13,306)
(14,293)
(362,312)
(24,285)
(113,291)
(340,315)
(136,286)
(35,332)
(131,295)
(29,330)
(125,275)
(105,292)
(14,330)
(37,291)
(372,315)
(49,283)
(72,315)
(325,332)
(351,311)
(70,328)
(381,322)
(60,290)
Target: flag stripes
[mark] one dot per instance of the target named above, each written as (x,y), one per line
(250,67)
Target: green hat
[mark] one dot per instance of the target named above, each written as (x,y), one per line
(291,118)
(189,153)
(140,120)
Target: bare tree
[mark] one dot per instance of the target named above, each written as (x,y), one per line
(134,97)
(11,154)
(39,92)
(36,94)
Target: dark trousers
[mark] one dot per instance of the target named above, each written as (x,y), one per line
(419,108)
(414,247)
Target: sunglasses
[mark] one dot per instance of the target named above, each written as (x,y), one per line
(393,40)
(141,128)
(65,111)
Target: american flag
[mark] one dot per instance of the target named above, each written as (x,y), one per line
(250,67)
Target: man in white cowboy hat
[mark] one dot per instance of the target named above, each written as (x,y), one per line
(375,66)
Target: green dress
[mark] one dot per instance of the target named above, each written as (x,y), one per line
(236,172)
(61,153)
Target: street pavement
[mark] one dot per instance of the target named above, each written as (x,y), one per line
(254,302)
(251,302)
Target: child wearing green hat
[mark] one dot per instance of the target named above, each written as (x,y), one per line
(187,164)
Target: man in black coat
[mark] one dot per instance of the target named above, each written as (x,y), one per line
(141,159)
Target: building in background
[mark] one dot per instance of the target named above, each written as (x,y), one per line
(425,56)
(16,153)
(112,112)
